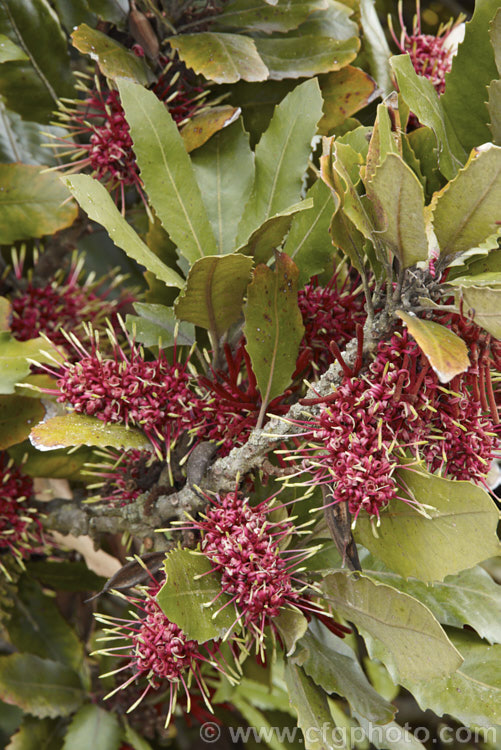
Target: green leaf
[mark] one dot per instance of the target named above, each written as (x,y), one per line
(14,356)
(256,718)
(334,666)
(60,464)
(473,694)
(398,630)
(480,297)
(46,74)
(470,597)
(79,429)
(188,597)
(398,201)
(23,141)
(204,125)
(93,727)
(384,140)
(473,68)
(254,16)
(465,210)
(167,172)
(306,56)
(214,292)
(158,323)
(313,715)
(135,740)
(10,51)
(446,352)
(419,94)
(309,243)
(269,236)
(461,510)
(17,416)
(222,58)
(424,145)
(224,169)
(494,107)
(37,734)
(65,576)
(282,156)
(334,21)
(36,626)
(344,92)
(273,326)
(292,625)
(31,203)
(114,60)
(391,736)
(99,206)
(40,687)
(375,46)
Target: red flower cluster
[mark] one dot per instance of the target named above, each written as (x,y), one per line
(20,530)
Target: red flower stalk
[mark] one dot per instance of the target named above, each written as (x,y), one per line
(64,303)
(20,529)
(244,546)
(431,56)
(158,652)
(232,401)
(330,313)
(126,388)
(98,133)
(124,476)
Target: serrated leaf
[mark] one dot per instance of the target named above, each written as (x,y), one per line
(306,55)
(398,202)
(384,140)
(167,172)
(424,145)
(465,210)
(114,60)
(480,299)
(473,694)
(93,727)
(14,356)
(461,510)
(309,243)
(473,69)
(10,51)
(204,125)
(334,666)
(188,597)
(46,74)
(99,206)
(269,236)
(282,156)
(253,16)
(224,169)
(17,416)
(313,715)
(220,57)
(399,631)
(79,429)
(37,734)
(214,292)
(37,627)
(470,597)
(41,687)
(32,203)
(494,107)
(423,100)
(23,141)
(344,92)
(158,323)
(273,326)
(446,352)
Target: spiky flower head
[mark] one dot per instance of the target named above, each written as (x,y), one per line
(64,302)
(431,56)
(246,547)
(126,388)
(20,529)
(157,652)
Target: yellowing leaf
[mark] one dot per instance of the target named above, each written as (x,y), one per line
(446,352)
